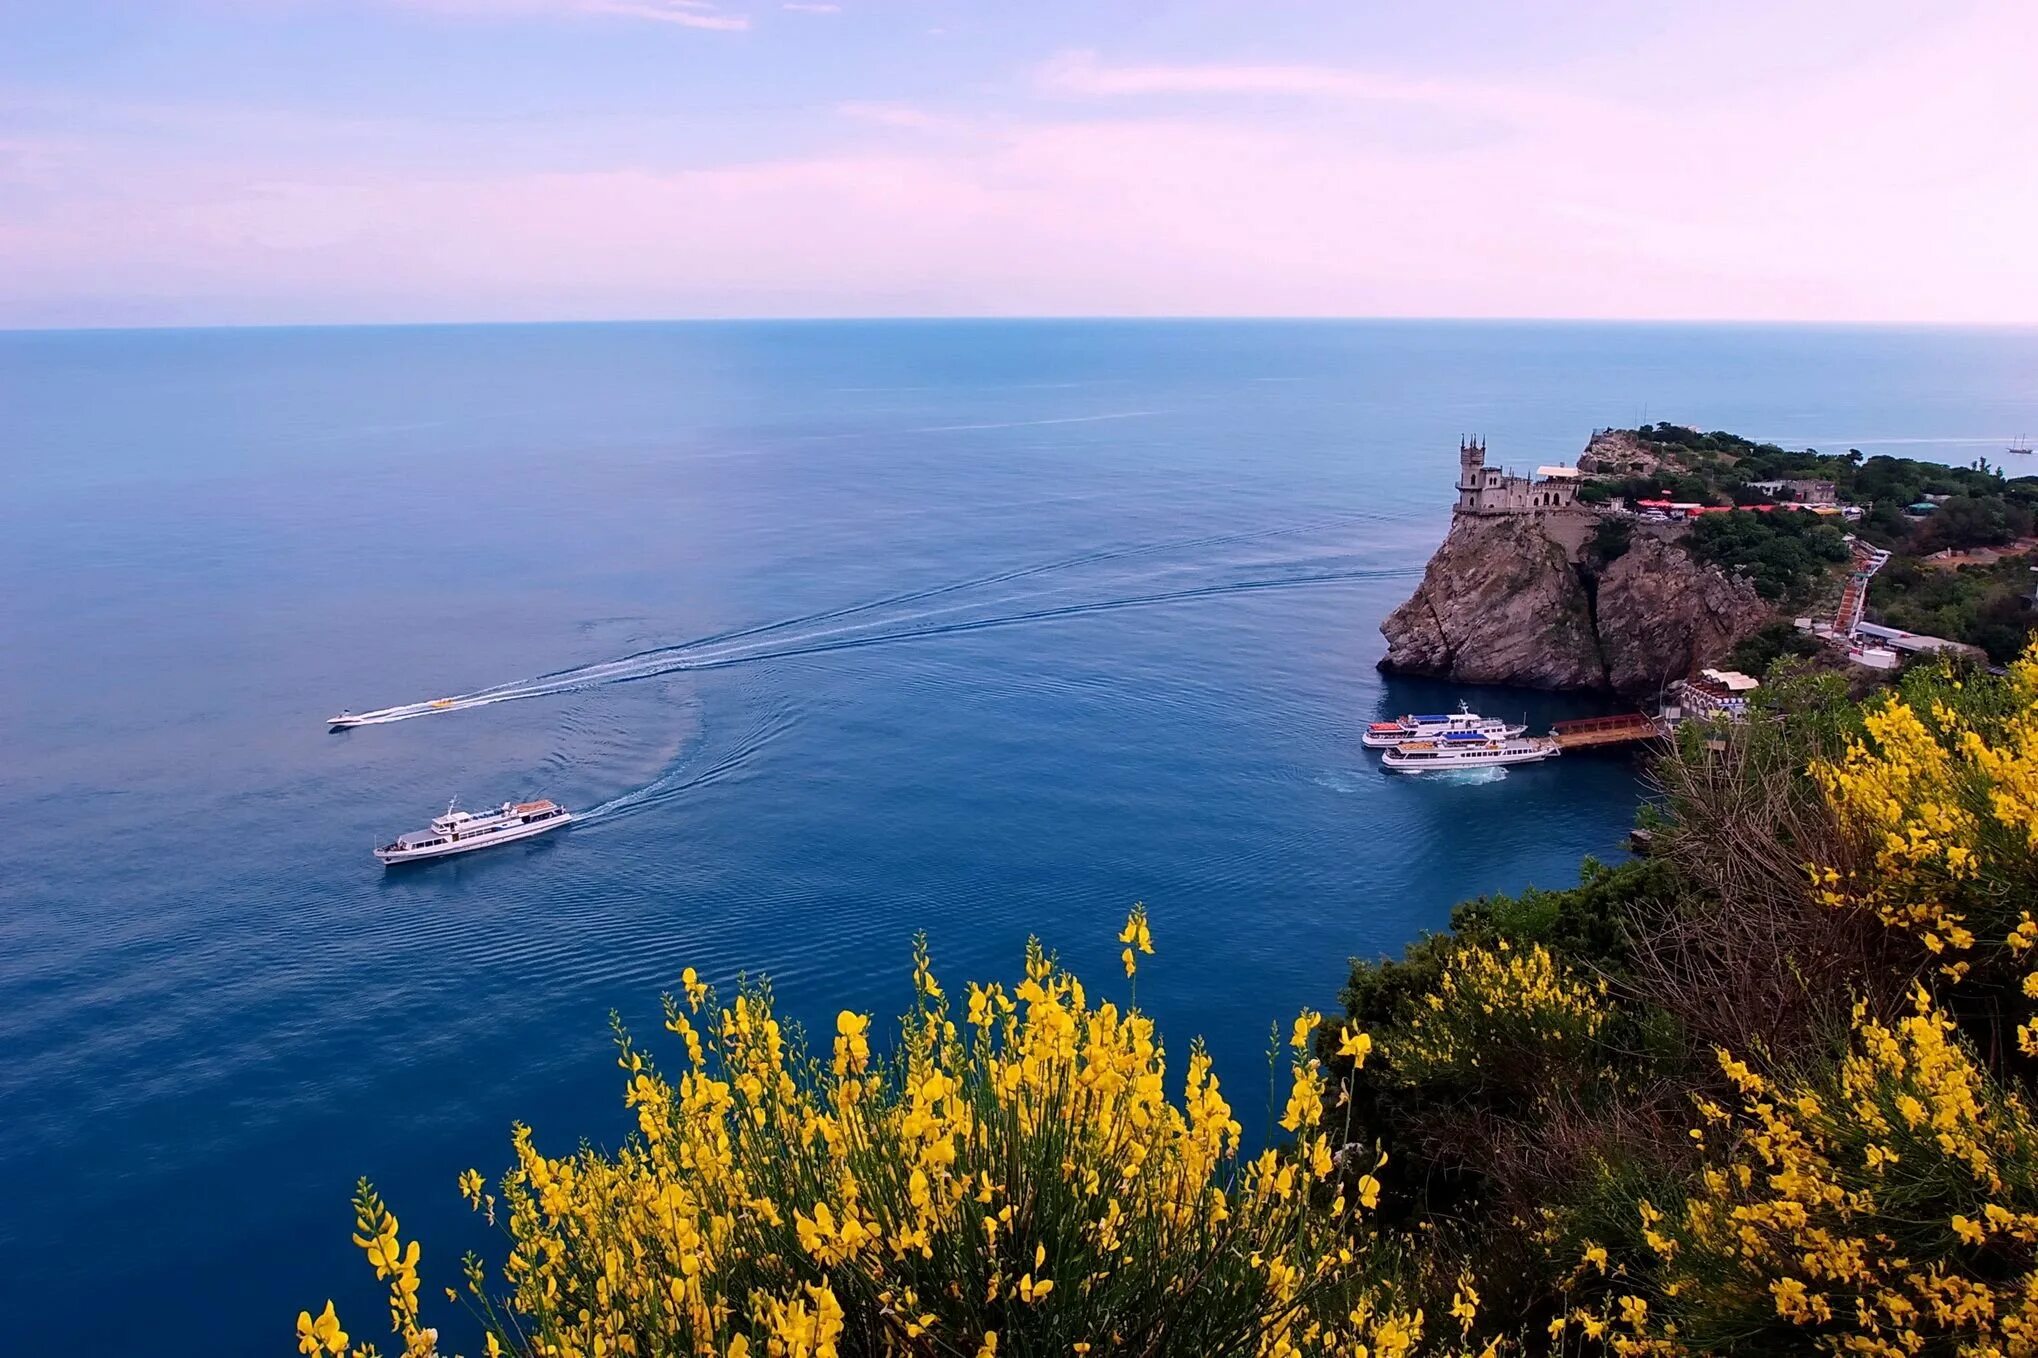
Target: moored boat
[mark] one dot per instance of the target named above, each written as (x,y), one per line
(1386,735)
(1468,751)
(462,831)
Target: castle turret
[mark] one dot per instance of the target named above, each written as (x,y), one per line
(1471,472)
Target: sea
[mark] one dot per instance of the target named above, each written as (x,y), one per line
(831,633)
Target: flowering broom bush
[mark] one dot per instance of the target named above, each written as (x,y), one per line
(1939,804)
(1886,1203)
(1016,1182)
(1886,1207)
(1499,1013)
(1829,970)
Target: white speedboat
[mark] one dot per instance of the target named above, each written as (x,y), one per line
(1468,750)
(462,831)
(1386,735)
(347,718)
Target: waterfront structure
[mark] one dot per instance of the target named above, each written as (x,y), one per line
(1491,490)
(1714,693)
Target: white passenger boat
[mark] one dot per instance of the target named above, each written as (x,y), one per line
(461,831)
(1468,750)
(1386,735)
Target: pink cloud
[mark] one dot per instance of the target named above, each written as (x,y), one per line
(892,115)
(1080,72)
(1827,197)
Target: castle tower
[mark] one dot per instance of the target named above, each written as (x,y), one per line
(1471,474)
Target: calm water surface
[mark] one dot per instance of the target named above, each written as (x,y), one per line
(841,630)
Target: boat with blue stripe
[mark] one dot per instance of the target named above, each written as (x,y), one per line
(1388,735)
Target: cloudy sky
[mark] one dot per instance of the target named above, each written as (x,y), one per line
(167,162)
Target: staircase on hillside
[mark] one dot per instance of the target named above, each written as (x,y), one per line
(1854,594)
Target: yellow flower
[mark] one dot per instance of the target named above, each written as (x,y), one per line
(322,1334)
(928,1160)
(1465,1305)
(1136,933)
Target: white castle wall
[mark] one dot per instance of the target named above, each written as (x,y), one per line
(1489,490)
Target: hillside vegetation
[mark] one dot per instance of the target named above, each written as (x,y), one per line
(1767,1090)
(1789,556)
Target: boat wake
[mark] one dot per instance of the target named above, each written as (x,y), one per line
(1468,777)
(684,777)
(891,620)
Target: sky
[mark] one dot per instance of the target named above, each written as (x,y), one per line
(217,162)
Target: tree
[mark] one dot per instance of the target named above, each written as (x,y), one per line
(1964,521)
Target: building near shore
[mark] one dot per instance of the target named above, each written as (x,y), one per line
(1714,693)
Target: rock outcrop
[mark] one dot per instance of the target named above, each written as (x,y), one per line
(1520,599)
(1663,615)
(1499,604)
(1619,452)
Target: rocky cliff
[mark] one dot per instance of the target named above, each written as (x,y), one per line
(1521,599)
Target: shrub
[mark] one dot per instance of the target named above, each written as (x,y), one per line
(1610,541)
(1015,1182)
(1938,801)
(1500,1015)
(1824,867)
(1888,1205)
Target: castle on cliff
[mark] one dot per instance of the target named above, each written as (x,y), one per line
(1490,490)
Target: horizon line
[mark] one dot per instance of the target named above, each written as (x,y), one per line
(1807,323)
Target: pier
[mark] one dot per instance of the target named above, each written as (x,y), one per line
(1590,732)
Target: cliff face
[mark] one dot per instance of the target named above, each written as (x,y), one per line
(1508,600)
(1499,604)
(1664,615)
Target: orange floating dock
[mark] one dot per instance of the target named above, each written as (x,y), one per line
(1586,732)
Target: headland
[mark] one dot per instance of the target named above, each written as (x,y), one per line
(1664,551)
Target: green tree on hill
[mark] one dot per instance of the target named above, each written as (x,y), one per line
(1784,554)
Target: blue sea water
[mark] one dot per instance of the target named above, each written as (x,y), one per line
(841,631)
